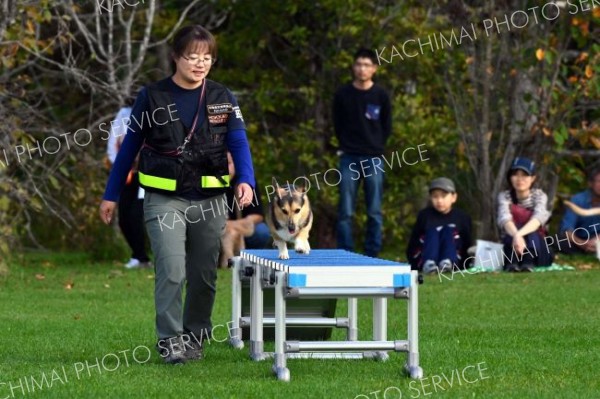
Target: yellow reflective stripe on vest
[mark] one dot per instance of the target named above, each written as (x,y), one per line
(158,182)
(214,182)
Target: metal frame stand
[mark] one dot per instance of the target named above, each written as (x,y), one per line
(262,277)
(412,365)
(256,309)
(235,333)
(280,362)
(352,319)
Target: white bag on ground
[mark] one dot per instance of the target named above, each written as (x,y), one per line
(488,255)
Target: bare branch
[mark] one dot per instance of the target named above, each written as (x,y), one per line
(177,24)
(144,46)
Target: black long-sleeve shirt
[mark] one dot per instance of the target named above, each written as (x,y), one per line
(362,119)
(429,218)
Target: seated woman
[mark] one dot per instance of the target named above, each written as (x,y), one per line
(522,214)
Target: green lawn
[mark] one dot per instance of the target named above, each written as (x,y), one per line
(533,336)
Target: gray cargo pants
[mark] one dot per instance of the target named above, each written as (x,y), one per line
(186,239)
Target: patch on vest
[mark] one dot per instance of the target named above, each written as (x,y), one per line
(238,113)
(218,119)
(214,109)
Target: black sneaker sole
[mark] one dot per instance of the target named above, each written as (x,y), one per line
(176,362)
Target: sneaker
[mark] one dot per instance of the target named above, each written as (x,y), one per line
(132,264)
(171,350)
(512,267)
(429,267)
(146,265)
(527,267)
(446,266)
(193,349)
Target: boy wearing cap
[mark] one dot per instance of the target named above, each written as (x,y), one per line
(522,214)
(442,234)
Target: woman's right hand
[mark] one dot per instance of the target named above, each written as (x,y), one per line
(107,209)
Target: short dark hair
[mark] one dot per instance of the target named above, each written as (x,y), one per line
(186,36)
(366,53)
(592,172)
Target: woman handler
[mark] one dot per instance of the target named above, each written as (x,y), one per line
(184,126)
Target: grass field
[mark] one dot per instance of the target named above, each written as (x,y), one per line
(512,335)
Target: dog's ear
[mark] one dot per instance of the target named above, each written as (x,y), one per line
(278,189)
(300,189)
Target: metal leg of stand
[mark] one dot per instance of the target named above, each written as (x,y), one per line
(279,364)
(412,365)
(380,325)
(256,315)
(352,319)
(235,332)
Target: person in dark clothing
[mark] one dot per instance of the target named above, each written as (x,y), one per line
(131,201)
(131,223)
(441,235)
(363,122)
(186,123)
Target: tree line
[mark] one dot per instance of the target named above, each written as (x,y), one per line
(475,93)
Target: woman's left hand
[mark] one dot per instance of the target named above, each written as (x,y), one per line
(519,244)
(244,194)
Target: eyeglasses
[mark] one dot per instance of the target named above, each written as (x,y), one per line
(197,60)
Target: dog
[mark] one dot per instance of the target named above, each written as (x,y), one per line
(582,212)
(232,240)
(290,218)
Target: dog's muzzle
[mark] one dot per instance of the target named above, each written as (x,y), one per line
(291,228)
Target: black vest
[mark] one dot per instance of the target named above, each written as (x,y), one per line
(203,163)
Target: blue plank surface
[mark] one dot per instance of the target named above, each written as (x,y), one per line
(320,257)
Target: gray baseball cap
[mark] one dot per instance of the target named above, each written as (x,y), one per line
(442,183)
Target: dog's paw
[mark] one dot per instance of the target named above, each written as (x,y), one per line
(282,247)
(284,254)
(302,247)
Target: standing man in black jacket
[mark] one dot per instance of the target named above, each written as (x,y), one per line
(363,122)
